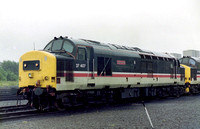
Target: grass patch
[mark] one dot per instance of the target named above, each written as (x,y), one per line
(8,83)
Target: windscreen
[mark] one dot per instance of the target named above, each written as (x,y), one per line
(60,44)
(57,45)
(189,62)
(184,61)
(67,46)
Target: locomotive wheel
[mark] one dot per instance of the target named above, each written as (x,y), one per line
(59,105)
(37,107)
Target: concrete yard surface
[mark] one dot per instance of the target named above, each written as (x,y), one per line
(169,113)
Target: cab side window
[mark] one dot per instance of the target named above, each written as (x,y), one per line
(81,54)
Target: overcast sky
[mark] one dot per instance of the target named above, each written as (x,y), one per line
(156,25)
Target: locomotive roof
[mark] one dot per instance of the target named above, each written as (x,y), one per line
(114,49)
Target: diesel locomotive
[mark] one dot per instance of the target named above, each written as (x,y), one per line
(192,73)
(72,71)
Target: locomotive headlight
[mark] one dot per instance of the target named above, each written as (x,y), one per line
(36,64)
(25,65)
(30,75)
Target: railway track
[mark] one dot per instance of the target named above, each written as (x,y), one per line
(20,111)
(9,94)
(10,97)
(13,108)
(18,114)
(15,112)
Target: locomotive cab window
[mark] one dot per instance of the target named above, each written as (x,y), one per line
(48,47)
(63,46)
(81,54)
(185,61)
(57,45)
(67,46)
(192,63)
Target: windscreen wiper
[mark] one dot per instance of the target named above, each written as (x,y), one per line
(63,51)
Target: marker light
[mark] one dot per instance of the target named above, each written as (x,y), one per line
(46,78)
(25,65)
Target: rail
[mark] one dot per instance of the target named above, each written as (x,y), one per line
(9,94)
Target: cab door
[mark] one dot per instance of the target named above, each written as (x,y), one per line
(90,67)
(81,56)
(90,62)
(85,60)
